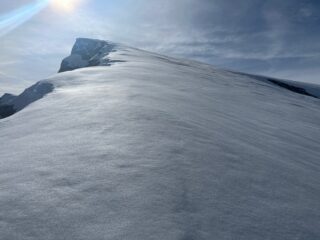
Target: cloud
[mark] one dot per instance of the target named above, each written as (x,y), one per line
(16,17)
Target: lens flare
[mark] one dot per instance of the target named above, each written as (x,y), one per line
(15,18)
(65,5)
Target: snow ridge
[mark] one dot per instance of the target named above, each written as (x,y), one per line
(93,52)
(161,149)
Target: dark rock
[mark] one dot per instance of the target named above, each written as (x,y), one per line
(87,53)
(7,98)
(291,88)
(6,111)
(11,104)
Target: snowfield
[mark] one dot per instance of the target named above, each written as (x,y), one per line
(142,146)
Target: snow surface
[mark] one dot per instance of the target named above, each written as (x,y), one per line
(157,148)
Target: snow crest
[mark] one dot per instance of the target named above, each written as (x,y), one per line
(160,149)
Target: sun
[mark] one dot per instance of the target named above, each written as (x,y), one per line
(65,5)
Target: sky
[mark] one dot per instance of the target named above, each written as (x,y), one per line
(279,38)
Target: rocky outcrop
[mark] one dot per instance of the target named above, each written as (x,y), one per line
(292,88)
(10,104)
(6,106)
(7,98)
(87,53)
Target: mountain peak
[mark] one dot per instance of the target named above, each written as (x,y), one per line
(86,53)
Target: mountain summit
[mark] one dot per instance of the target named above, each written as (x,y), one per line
(128,144)
(88,53)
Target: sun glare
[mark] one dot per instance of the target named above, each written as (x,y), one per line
(65,5)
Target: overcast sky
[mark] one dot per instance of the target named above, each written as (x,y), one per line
(279,38)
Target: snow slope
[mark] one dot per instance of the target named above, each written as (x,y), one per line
(150,147)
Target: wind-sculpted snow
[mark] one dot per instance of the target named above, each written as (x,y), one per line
(158,148)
